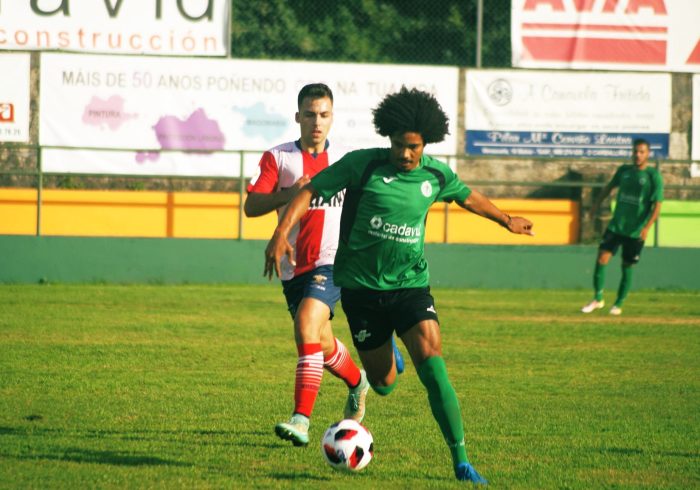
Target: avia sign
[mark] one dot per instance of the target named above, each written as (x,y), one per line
(181,27)
(659,35)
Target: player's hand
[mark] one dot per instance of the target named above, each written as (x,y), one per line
(643,234)
(521,226)
(303,180)
(276,248)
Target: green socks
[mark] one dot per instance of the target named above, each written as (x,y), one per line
(444,405)
(385,390)
(599,280)
(625,285)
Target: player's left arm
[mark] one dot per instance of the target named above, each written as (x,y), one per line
(479,204)
(652,218)
(657,198)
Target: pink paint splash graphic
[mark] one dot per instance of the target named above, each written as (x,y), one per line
(197,134)
(109,112)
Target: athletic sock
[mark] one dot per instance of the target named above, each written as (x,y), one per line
(341,365)
(599,280)
(444,405)
(625,285)
(308,377)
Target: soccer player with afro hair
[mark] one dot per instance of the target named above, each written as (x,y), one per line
(380,264)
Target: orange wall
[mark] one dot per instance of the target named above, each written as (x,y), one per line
(215,215)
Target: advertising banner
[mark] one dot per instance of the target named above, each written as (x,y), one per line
(175,116)
(558,114)
(658,35)
(185,27)
(14,97)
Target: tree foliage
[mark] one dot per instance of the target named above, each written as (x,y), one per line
(438,32)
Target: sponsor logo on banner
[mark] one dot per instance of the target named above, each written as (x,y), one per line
(185,27)
(566,114)
(7,112)
(615,34)
(14,96)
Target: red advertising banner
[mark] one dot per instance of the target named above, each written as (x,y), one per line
(655,35)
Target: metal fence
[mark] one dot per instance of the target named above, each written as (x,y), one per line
(463,33)
(581,190)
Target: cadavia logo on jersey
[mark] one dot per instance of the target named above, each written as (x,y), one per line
(390,231)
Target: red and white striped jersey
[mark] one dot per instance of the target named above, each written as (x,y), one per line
(315,236)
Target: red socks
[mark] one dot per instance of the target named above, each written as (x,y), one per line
(308,377)
(341,365)
(310,370)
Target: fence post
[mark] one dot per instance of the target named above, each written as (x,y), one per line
(241,190)
(479,30)
(39,187)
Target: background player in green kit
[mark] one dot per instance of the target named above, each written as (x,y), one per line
(639,197)
(380,264)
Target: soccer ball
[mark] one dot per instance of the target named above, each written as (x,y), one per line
(347,445)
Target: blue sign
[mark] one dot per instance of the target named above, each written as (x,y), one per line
(562,144)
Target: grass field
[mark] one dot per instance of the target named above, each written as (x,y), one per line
(180,386)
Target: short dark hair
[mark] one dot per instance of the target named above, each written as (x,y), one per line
(640,141)
(411,111)
(315,91)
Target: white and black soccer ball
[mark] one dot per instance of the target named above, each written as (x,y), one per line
(347,445)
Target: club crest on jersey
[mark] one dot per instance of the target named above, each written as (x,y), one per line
(319,278)
(426,188)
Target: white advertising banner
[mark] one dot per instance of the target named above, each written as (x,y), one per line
(148,107)
(695,148)
(658,35)
(14,97)
(560,114)
(185,27)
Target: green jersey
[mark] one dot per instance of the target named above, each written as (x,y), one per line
(382,228)
(638,191)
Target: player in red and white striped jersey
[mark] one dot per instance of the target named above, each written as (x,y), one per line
(308,281)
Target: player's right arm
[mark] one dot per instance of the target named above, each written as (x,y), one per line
(324,184)
(614,182)
(278,244)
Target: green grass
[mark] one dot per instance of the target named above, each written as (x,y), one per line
(180,386)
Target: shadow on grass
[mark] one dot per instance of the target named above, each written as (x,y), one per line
(248,439)
(626,451)
(78,455)
(305,476)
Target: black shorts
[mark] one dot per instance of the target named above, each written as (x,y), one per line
(631,247)
(373,316)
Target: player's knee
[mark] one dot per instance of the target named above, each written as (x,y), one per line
(384,390)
